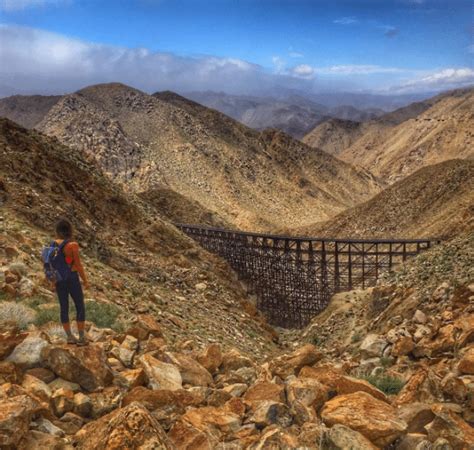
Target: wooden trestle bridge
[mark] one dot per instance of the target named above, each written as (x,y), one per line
(294,277)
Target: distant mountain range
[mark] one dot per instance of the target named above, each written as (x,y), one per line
(294,114)
(398,143)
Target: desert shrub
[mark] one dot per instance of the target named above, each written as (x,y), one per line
(45,315)
(386,361)
(104,315)
(19,268)
(386,383)
(20,314)
(356,337)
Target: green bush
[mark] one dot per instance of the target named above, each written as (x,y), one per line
(386,383)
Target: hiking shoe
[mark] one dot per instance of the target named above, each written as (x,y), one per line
(82,341)
(71,340)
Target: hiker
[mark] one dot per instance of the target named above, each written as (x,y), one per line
(63,268)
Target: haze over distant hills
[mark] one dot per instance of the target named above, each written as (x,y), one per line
(295,114)
(400,142)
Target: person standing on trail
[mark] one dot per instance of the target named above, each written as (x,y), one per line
(63,268)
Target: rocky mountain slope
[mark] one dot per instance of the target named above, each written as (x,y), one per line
(334,135)
(295,114)
(138,262)
(27,110)
(436,201)
(234,172)
(398,143)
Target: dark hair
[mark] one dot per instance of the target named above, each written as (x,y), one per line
(64,229)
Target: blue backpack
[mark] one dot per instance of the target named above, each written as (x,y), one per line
(54,262)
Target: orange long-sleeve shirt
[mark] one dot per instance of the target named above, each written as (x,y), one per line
(71,253)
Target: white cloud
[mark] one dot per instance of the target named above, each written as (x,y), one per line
(443,79)
(303,71)
(307,71)
(36,60)
(346,20)
(357,69)
(296,55)
(279,64)
(16,5)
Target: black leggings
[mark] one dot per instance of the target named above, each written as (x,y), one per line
(71,286)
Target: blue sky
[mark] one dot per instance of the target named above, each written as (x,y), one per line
(238,45)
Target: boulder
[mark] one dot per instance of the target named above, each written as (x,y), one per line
(218,397)
(448,425)
(443,341)
(236,389)
(373,345)
(37,387)
(70,423)
(403,346)
(82,405)
(129,427)
(264,391)
(416,415)
(161,375)
(308,391)
(131,378)
(10,373)
(233,360)
(62,401)
(292,363)
(9,340)
(326,374)
(373,418)
(275,438)
(340,437)
(191,371)
(416,389)
(466,364)
(15,416)
(86,366)
(176,400)
(105,401)
(269,413)
(35,440)
(347,385)
(211,420)
(414,441)
(42,373)
(210,358)
(144,327)
(28,353)
(60,383)
(46,426)
(124,355)
(420,317)
(187,437)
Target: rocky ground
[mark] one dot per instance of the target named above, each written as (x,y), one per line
(387,368)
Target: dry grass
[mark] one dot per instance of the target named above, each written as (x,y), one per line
(18,313)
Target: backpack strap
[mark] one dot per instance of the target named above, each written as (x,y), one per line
(63,244)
